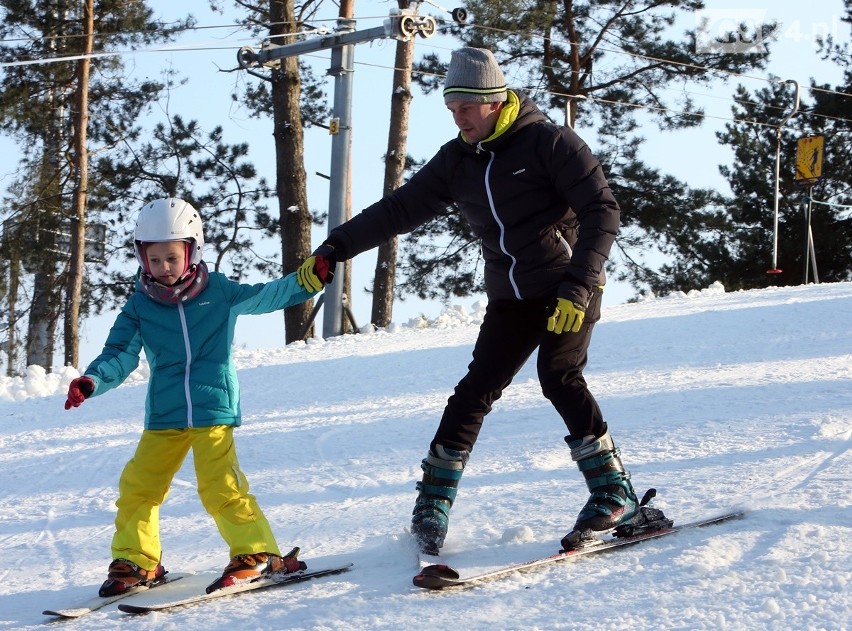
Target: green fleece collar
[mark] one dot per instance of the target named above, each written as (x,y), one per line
(508,115)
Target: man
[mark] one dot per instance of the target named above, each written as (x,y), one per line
(537,198)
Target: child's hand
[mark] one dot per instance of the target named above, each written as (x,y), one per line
(318,269)
(79,390)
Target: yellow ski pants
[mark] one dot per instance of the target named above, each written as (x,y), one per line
(222,487)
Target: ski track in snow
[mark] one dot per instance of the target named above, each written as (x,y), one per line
(719,400)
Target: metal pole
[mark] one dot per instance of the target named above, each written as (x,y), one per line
(402,25)
(811,251)
(813,258)
(808,235)
(774,269)
(341,68)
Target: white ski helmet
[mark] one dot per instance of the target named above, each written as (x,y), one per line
(169,219)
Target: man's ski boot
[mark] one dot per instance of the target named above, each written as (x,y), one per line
(124,574)
(245,568)
(613,501)
(436,494)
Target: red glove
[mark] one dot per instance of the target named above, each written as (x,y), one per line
(326,262)
(324,267)
(80,389)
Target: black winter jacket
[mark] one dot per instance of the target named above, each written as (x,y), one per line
(535,196)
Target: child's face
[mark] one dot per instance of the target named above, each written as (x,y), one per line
(166,261)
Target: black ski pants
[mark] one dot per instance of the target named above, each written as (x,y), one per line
(511,330)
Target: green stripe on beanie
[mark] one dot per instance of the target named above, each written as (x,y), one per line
(474,75)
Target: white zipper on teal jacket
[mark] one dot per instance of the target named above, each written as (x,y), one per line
(188,362)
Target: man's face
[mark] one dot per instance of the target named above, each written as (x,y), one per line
(476,121)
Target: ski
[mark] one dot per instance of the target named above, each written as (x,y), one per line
(440,575)
(261,583)
(97,602)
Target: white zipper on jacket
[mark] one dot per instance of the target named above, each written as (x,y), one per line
(499,223)
(188,362)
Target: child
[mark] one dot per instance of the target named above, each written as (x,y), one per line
(183,317)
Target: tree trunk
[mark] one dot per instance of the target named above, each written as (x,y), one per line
(383,284)
(78,218)
(41,331)
(46,302)
(290,179)
(14,269)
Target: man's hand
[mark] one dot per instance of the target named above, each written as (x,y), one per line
(318,269)
(79,390)
(567,317)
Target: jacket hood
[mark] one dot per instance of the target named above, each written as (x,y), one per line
(528,112)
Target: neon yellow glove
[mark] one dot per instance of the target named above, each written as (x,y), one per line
(318,269)
(307,277)
(567,317)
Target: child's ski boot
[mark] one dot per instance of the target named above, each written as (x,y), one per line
(245,568)
(124,574)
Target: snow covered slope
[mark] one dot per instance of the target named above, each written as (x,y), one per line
(717,399)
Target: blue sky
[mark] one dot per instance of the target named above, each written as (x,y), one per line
(207,97)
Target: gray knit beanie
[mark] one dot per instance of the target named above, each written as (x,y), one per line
(474,75)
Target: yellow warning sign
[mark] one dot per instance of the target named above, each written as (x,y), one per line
(809,155)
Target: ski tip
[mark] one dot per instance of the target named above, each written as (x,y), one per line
(441,570)
(127,608)
(436,576)
(63,614)
(427,581)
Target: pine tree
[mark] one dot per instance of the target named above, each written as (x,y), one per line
(291,96)
(36,107)
(827,112)
(605,65)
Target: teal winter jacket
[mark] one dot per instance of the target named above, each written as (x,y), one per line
(193,381)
